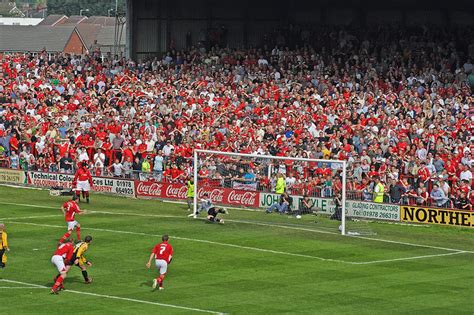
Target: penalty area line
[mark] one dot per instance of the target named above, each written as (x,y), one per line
(297,228)
(28,205)
(113,297)
(408,258)
(264,250)
(270,225)
(25,285)
(227,207)
(33,217)
(21,288)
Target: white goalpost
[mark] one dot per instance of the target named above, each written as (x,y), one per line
(220,168)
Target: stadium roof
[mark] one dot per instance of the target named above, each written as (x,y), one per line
(106,36)
(101,20)
(53,19)
(89,33)
(34,38)
(75,19)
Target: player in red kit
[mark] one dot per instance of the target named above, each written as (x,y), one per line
(82,182)
(62,254)
(70,209)
(163,253)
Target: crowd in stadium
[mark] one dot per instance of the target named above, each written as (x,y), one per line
(397,104)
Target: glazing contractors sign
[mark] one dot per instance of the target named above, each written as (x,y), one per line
(437,216)
(372,210)
(12,176)
(101,184)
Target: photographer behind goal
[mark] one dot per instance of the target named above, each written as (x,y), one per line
(337,215)
(283,205)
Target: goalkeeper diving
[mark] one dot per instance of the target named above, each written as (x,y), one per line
(211,210)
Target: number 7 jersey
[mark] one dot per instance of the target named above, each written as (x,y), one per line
(71,208)
(163,251)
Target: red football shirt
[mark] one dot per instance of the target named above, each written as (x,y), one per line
(163,251)
(71,209)
(63,148)
(424,173)
(65,250)
(83,174)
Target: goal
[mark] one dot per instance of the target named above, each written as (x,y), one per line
(256,182)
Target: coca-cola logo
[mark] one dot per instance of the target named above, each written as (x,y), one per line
(150,189)
(244,198)
(176,192)
(216,195)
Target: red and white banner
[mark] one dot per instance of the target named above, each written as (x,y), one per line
(244,186)
(226,196)
(116,186)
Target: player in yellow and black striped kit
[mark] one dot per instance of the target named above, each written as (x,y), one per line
(3,246)
(80,260)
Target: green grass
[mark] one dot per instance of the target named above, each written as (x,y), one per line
(255,263)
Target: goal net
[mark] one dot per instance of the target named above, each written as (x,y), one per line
(279,190)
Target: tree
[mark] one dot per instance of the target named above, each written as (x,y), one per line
(73,7)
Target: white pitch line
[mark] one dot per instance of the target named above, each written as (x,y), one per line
(22,187)
(32,217)
(139,214)
(283,227)
(21,288)
(28,205)
(407,258)
(227,220)
(412,244)
(294,228)
(228,207)
(250,248)
(118,298)
(184,217)
(193,240)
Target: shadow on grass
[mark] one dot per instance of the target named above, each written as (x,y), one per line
(68,279)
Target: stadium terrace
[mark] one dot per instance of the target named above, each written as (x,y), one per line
(397,116)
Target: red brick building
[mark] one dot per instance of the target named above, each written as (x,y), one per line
(16,38)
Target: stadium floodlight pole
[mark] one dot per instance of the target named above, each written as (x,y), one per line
(83,10)
(195,167)
(271,157)
(116,29)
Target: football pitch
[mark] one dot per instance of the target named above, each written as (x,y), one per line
(254,263)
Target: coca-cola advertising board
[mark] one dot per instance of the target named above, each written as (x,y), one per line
(160,190)
(116,186)
(226,196)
